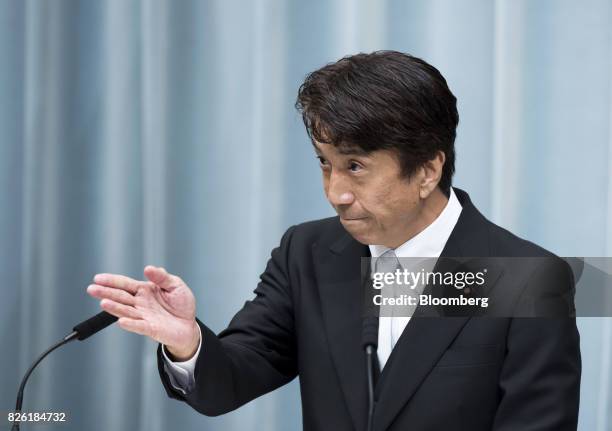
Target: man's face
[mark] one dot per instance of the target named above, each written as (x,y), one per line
(375,203)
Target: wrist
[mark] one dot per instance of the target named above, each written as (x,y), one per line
(185,353)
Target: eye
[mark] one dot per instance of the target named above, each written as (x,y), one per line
(355,167)
(322,161)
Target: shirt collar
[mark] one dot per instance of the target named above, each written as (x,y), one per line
(430,241)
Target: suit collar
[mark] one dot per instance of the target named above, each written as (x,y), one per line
(470,235)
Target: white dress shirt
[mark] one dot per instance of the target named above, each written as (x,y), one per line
(428,243)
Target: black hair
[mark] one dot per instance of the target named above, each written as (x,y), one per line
(383,100)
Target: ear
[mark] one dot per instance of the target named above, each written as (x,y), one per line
(431,174)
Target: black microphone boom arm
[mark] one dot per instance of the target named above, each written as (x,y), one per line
(81,331)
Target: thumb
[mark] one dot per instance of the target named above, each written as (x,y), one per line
(158,275)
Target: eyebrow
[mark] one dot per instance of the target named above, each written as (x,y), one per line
(344,150)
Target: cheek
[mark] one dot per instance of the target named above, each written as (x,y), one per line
(325,185)
(404,209)
(394,205)
(383,201)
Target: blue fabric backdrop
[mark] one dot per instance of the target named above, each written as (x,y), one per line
(163,132)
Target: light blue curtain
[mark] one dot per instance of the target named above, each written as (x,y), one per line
(163,132)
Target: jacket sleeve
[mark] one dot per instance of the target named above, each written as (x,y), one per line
(540,377)
(255,354)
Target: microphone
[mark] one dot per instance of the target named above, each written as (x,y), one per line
(80,332)
(369,334)
(369,340)
(94,324)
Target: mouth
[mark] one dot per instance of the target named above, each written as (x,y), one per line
(352,219)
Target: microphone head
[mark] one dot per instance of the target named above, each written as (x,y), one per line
(94,324)
(369,335)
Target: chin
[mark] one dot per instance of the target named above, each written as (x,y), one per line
(360,235)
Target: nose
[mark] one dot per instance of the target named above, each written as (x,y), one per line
(338,191)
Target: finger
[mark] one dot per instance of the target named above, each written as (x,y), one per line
(120,310)
(137,326)
(117,295)
(118,281)
(159,276)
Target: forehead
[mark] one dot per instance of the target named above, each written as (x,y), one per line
(342,149)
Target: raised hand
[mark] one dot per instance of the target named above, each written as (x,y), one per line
(162,308)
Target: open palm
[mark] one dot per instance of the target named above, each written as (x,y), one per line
(162,308)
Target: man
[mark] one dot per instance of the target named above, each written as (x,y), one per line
(383,128)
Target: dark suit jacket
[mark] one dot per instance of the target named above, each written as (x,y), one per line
(445,373)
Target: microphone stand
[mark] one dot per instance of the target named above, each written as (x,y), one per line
(369,340)
(370,351)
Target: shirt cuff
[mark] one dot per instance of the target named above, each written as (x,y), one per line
(182,374)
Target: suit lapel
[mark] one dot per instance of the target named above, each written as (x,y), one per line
(338,272)
(418,349)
